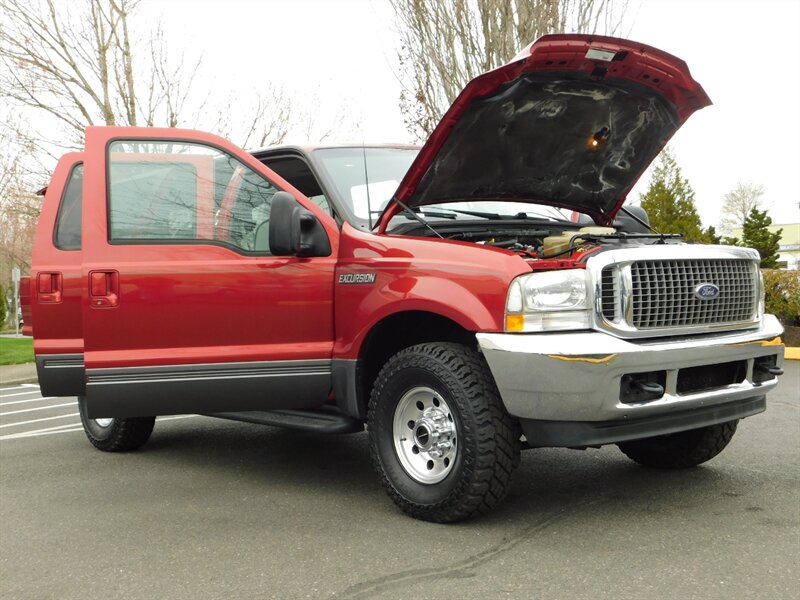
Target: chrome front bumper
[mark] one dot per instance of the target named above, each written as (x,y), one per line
(576,377)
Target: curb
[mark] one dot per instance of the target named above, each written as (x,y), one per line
(17,374)
(20,381)
(791,353)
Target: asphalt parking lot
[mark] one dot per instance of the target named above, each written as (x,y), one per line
(218,509)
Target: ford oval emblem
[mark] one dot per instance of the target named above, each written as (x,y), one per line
(706,291)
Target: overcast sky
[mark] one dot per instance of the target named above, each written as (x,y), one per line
(343,54)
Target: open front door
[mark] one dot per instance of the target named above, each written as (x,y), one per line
(184,308)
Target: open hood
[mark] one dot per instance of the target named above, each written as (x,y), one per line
(572,121)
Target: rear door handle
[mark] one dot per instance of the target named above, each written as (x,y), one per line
(103,289)
(49,286)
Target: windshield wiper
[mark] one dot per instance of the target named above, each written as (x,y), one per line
(436,213)
(488,215)
(551,219)
(471,213)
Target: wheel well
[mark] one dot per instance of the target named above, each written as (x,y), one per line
(399,331)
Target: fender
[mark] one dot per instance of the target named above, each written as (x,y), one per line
(430,294)
(376,278)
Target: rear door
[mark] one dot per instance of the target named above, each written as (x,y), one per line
(184,308)
(55,285)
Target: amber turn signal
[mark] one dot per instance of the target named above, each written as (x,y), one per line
(515,322)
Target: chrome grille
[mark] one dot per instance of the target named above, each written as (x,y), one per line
(609,294)
(663,292)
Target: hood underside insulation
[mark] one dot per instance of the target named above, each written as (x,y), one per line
(566,140)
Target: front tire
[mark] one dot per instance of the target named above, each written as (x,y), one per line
(117,434)
(680,450)
(441,441)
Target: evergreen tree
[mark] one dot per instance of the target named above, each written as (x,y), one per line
(710,235)
(669,202)
(756,235)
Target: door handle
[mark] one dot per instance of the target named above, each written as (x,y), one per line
(49,286)
(103,289)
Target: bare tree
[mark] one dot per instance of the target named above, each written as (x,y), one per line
(264,120)
(77,62)
(313,125)
(20,173)
(737,205)
(272,118)
(446,43)
(82,63)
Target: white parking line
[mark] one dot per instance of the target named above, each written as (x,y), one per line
(17,412)
(56,428)
(40,420)
(28,393)
(29,400)
(68,428)
(21,386)
(19,436)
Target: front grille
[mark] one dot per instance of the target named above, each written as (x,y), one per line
(609,294)
(663,292)
(661,296)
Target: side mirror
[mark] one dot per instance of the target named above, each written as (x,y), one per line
(295,231)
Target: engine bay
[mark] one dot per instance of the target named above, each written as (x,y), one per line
(535,239)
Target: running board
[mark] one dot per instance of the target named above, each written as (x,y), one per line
(322,420)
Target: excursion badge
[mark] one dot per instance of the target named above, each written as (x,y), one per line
(356,278)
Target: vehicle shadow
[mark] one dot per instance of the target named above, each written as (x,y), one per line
(547,482)
(270,455)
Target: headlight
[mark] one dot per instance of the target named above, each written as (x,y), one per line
(552,301)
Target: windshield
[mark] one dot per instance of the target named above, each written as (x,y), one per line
(386,167)
(347,170)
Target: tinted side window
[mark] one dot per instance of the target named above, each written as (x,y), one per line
(68,223)
(153,200)
(162,192)
(243,207)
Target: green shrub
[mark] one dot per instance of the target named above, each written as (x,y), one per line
(783,295)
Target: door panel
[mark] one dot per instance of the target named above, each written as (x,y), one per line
(180,309)
(56,288)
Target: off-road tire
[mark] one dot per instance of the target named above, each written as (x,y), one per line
(488,438)
(121,435)
(680,450)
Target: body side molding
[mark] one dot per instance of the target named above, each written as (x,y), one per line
(61,374)
(207,388)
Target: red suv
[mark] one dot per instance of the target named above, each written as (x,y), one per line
(439,295)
